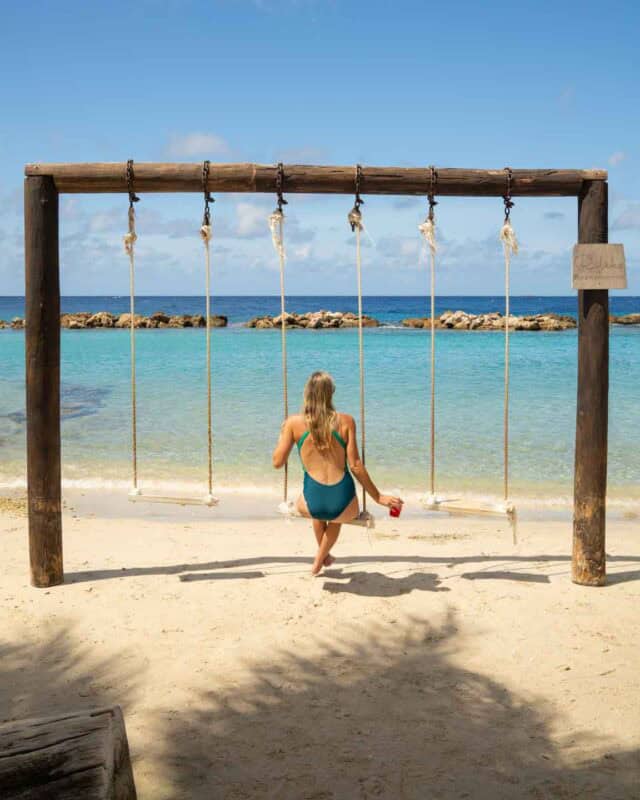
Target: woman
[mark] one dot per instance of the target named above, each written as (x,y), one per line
(328,451)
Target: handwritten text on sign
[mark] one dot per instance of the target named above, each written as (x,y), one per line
(599,266)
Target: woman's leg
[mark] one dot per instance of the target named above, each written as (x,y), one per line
(319,527)
(329,538)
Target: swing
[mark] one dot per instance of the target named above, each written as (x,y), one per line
(135,493)
(276,224)
(432,501)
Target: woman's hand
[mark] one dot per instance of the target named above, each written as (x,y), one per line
(390,501)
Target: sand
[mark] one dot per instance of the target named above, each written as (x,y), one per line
(434,660)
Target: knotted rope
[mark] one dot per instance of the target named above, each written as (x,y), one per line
(357,226)
(276,225)
(428,232)
(206,234)
(510,247)
(130,239)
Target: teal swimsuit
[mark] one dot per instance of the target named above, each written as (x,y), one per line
(326,501)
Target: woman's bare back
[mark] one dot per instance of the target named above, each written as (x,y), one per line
(325,466)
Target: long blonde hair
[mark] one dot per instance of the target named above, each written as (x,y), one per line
(319,413)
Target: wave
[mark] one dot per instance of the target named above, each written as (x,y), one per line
(523,502)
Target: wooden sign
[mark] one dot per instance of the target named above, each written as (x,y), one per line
(599,266)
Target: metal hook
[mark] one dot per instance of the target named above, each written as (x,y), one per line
(508,202)
(206,218)
(280,187)
(355,215)
(133,198)
(432,191)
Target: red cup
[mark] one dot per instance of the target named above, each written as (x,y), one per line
(394,511)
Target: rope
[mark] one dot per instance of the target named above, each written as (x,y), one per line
(510,246)
(276,225)
(355,220)
(129,246)
(428,231)
(206,232)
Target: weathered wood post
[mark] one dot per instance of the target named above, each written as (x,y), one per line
(590,477)
(42,341)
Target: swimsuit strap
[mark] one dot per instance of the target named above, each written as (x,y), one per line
(339,439)
(336,436)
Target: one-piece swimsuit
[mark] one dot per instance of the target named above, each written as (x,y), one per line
(327,501)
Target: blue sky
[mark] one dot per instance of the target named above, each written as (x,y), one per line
(464,84)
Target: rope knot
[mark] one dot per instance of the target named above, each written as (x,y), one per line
(508,238)
(206,232)
(129,241)
(428,231)
(276,221)
(355,218)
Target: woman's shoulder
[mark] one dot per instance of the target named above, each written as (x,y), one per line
(345,420)
(296,423)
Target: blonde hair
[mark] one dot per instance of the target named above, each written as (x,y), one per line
(319,413)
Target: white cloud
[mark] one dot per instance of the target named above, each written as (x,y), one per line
(302,252)
(192,145)
(251,221)
(616,158)
(628,219)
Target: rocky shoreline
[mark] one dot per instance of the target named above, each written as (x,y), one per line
(315,320)
(82,320)
(461,320)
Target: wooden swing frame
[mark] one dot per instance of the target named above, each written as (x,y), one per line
(45,182)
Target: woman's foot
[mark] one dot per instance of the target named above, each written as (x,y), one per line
(329,560)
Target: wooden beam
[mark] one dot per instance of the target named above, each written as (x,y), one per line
(590,481)
(42,341)
(109,177)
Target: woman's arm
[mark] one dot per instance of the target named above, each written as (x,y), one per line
(360,471)
(285,443)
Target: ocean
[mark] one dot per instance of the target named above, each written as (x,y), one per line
(248,398)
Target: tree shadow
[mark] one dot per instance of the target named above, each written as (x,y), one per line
(59,673)
(377,584)
(392,715)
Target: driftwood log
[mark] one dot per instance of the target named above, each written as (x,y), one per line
(75,756)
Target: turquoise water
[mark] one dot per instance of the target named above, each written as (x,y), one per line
(248,406)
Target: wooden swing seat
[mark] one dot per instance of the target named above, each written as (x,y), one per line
(137,496)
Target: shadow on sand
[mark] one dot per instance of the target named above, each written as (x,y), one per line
(391,715)
(495,568)
(61,674)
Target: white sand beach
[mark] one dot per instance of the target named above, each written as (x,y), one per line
(435,659)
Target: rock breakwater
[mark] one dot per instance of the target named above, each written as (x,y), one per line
(461,320)
(83,320)
(314,320)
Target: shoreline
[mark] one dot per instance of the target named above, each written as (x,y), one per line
(260,503)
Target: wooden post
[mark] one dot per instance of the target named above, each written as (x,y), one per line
(42,340)
(590,480)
